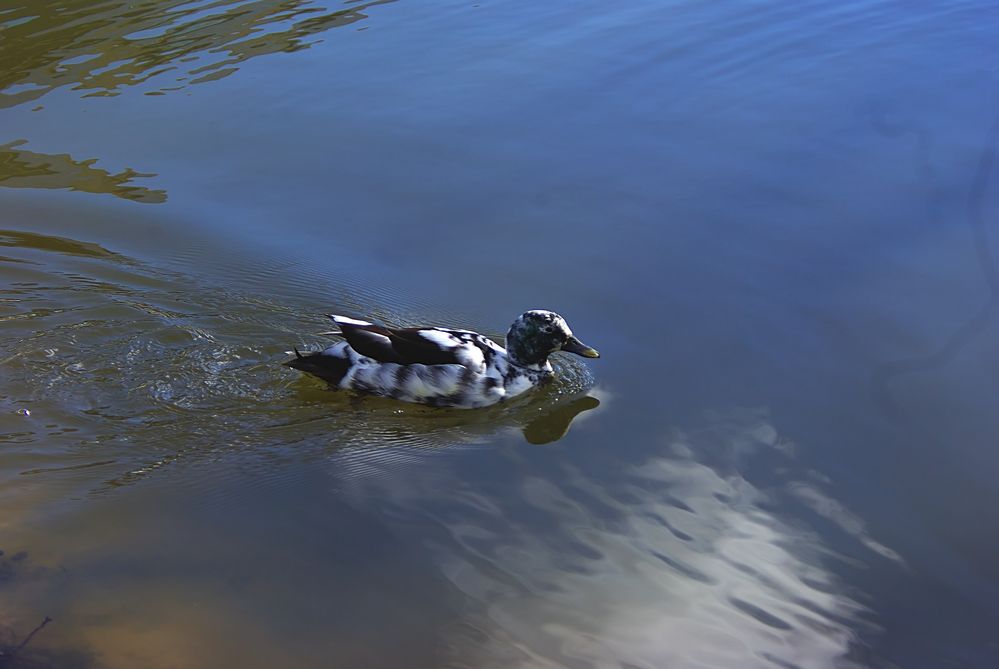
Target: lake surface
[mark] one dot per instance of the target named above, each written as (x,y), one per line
(777,222)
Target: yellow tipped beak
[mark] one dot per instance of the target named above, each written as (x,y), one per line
(573,345)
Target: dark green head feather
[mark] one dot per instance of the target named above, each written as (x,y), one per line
(539,333)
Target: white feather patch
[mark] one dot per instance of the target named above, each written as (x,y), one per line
(338,350)
(517,385)
(470,356)
(381,338)
(416,386)
(348,321)
(443,339)
(435,381)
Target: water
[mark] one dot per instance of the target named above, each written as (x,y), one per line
(775,221)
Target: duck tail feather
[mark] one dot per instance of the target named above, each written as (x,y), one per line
(327,367)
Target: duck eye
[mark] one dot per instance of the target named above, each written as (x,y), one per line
(547,329)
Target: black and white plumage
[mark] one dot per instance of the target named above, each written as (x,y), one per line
(440,366)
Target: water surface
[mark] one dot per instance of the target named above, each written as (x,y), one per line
(775,222)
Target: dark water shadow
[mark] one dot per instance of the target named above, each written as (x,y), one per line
(21,645)
(20,653)
(20,168)
(887,373)
(554,424)
(101,48)
(376,435)
(21,239)
(543,416)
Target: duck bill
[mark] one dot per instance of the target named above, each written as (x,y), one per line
(573,345)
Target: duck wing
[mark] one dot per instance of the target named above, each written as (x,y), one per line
(409,346)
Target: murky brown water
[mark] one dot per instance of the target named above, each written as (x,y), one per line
(774,221)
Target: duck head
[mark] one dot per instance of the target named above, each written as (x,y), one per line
(537,334)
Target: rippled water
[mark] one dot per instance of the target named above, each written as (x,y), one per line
(775,221)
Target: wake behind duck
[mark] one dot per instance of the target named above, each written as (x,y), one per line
(443,367)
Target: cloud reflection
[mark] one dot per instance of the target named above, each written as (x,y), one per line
(678,562)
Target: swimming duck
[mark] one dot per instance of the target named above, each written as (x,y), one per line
(440,366)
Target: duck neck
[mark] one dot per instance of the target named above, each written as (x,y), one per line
(542,366)
(517,353)
(522,357)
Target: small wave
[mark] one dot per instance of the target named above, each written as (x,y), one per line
(158,367)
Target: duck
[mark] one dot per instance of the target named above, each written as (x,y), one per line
(439,366)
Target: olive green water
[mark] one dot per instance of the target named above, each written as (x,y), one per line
(775,222)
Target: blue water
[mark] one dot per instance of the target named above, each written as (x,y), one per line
(776,221)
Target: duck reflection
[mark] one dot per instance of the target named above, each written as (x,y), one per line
(102,47)
(373,424)
(553,424)
(373,434)
(20,168)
